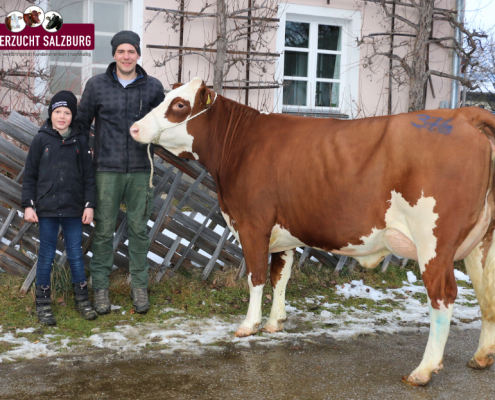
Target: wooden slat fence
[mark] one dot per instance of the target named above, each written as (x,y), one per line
(198,195)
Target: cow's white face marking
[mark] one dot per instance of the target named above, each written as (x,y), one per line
(174,136)
(408,232)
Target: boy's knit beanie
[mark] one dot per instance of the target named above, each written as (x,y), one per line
(64,98)
(125,37)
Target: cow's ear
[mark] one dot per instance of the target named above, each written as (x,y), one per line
(176,85)
(205,97)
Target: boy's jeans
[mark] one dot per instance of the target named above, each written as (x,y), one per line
(111,188)
(72,228)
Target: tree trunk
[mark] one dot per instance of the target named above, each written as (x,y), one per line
(418,77)
(221,46)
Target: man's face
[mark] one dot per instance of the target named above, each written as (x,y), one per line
(126,57)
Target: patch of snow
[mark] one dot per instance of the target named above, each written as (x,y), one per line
(411,277)
(461,276)
(359,289)
(27,330)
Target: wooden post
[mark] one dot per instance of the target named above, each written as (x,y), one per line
(340,265)
(304,256)
(196,236)
(175,245)
(242,270)
(386,262)
(215,255)
(165,207)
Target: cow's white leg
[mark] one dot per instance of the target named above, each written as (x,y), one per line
(438,277)
(253,318)
(280,274)
(474,265)
(433,356)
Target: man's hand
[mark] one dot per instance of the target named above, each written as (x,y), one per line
(30,215)
(87,217)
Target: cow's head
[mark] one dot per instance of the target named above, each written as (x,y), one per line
(53,22)
(35,16)
(167,124)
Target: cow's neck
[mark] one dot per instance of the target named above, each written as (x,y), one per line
(222,144)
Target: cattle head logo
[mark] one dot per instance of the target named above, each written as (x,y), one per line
(15,22)
(53,21)
(167,124)
(33,16)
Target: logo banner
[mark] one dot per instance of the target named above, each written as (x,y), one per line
(69,37)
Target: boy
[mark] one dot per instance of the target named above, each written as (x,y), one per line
(59,189)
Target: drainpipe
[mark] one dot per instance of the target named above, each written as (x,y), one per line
(456,62)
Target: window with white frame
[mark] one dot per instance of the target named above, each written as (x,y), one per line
(319,62)
(109,16)
(312,64)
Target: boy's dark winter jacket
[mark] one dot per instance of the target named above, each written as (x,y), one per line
(59,177)
(115,109)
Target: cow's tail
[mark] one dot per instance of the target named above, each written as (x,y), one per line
(484,121)
(487,296)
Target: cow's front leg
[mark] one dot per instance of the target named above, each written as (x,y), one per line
(255,249)
(442,290)
(279,274)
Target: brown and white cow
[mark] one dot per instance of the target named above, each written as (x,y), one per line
(419,185)
(32,18)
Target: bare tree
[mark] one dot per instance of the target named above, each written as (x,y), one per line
(407,44)
(243,31)
(483,74)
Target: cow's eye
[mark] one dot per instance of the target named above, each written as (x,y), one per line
(180,105)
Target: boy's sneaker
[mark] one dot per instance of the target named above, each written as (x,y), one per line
(43,305)
(101,301)
(83,305)
(140,300)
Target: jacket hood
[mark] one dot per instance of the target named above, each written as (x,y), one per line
(140,72)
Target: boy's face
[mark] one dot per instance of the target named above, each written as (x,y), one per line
(126,57)
(61,119)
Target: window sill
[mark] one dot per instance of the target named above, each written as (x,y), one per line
(317,114)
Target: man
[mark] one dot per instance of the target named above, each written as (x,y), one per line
(115,100)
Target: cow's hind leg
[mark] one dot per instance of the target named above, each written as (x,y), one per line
(255,249)
(441,286)
(279,274)
(482,278)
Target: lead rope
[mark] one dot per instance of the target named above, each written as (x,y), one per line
(151,163)
(156,138)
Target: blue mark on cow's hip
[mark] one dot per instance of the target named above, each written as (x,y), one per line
(441,125)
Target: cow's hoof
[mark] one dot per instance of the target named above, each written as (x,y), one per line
(416,380)
(481,364)
(272,329)
(243,332)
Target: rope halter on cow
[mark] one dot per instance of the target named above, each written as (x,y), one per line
(158,134)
